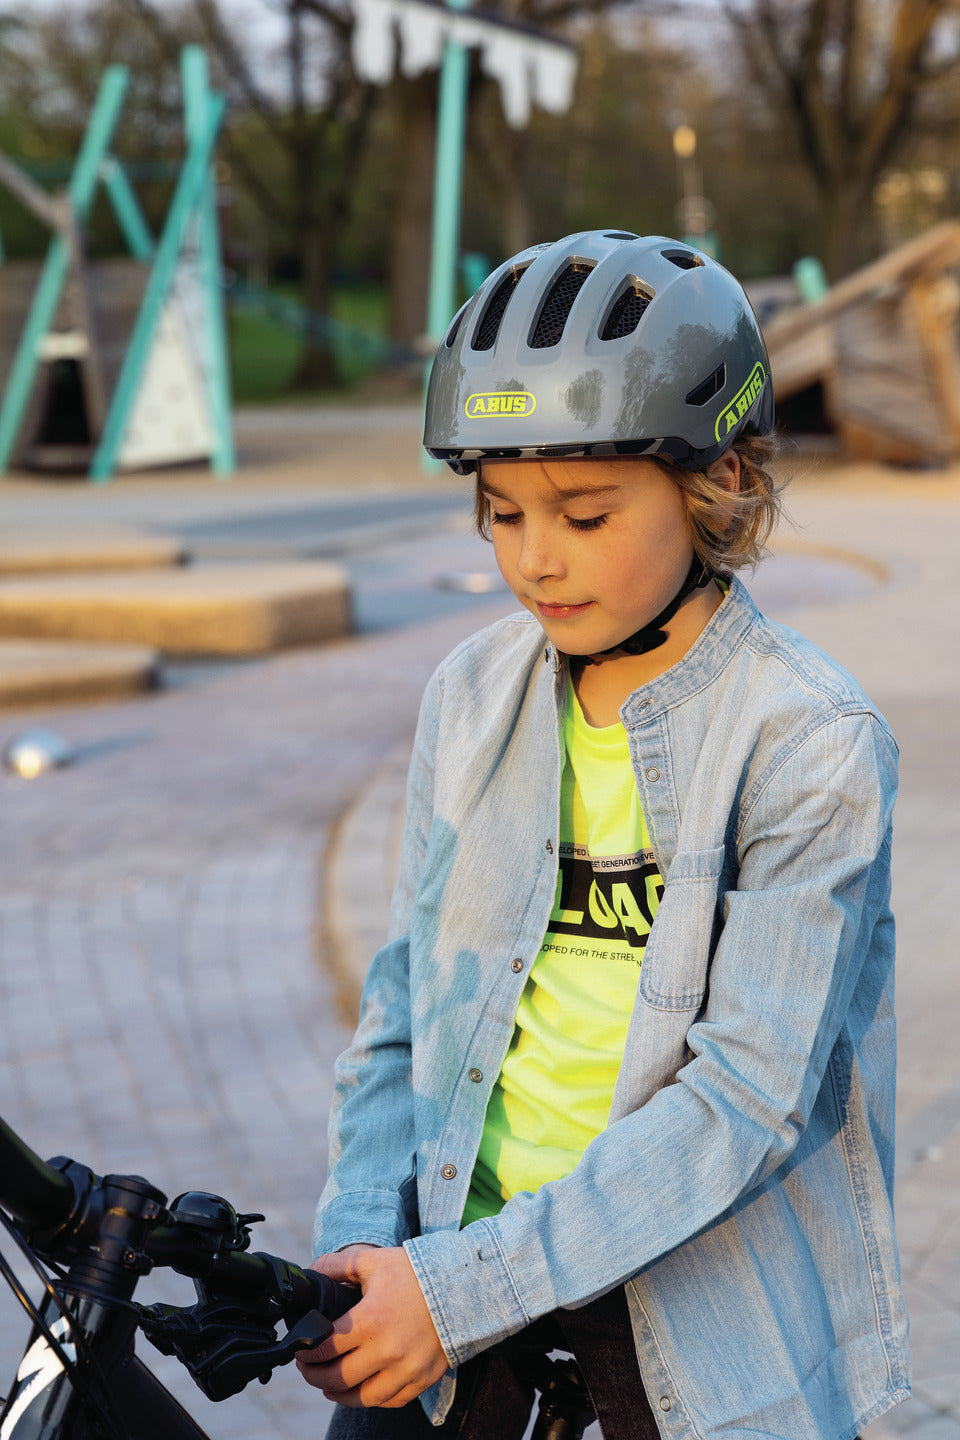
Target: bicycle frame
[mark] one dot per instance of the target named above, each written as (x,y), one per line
(45,1403)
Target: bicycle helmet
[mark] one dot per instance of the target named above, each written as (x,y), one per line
(603,343)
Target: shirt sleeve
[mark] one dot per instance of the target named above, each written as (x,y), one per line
(811,901)
(371,1193)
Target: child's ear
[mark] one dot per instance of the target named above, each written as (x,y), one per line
(726,472)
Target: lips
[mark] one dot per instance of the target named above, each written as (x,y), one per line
(561,612)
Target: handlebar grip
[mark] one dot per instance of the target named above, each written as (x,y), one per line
(31,1190)
(333,1297)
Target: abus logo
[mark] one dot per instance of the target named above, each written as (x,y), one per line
(501,402)
(741,402)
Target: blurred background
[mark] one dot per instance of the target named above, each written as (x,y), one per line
(823,129)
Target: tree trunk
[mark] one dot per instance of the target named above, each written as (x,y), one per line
(846,206)
(317,368)
(409,255)
(516,222)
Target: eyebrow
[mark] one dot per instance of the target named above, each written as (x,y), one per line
(574,492)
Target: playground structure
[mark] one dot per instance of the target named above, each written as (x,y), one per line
(120,364)
(882,345)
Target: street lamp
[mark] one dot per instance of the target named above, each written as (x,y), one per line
(694,212)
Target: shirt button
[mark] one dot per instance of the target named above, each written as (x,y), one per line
(549,847)
(664,1402)
(652,773)
(448,1172)
(516,966)
(476,1076)
(644,705)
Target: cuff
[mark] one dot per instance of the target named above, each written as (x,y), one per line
(469,1289)
(360,1217)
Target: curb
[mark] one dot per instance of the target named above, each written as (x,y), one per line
(360,868)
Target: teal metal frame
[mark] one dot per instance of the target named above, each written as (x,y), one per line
(447,191)
(53,275)
(448,183)
(193,202)
(198,101)
(193,205)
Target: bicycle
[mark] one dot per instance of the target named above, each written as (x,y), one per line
(80,1378)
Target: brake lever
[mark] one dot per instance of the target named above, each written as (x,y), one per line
(222,1349)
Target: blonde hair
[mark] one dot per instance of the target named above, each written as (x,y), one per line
(730,531)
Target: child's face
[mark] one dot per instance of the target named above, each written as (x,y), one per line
(594,548)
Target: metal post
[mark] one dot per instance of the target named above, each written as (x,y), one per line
(447,193)
(186,197)
(197,100)
(448,184)
(80,193)
(127,209)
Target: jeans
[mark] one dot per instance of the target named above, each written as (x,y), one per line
(495,1391)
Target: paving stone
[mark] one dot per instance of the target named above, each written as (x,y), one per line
(214,610)
(40,672)
(25,551)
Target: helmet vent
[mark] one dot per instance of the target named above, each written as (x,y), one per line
(489,325)
(708,388)
(557,306)
(619,235)
(626,314)
(454,327)
(683,259)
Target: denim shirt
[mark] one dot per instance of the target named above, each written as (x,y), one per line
(742,1188)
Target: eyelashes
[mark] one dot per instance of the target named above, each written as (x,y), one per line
(514,517)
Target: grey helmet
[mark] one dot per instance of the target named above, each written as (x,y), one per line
(604,343)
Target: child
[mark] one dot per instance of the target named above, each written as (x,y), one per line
(623,1080)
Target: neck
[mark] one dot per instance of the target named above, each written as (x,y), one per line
(604,684)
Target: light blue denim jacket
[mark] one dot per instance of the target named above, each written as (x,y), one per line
(742,1188)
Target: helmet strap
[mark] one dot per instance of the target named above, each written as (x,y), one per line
(653,635)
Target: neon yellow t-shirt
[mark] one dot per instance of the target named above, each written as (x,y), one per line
(554,1092)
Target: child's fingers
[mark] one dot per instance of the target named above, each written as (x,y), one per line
(344,1265)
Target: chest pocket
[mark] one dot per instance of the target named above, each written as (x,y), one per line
(676,962)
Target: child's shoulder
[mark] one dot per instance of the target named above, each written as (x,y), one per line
(804,663)
(508,646)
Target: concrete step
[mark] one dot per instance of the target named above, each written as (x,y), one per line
(203,610)
(42,672)
(50,550)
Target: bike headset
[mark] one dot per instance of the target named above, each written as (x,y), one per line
(602,343)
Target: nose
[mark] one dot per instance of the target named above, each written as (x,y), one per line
(539,555)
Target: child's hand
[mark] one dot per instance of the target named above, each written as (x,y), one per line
(385,1351)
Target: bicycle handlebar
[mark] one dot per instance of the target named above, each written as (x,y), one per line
(112,1230)
(30,1189)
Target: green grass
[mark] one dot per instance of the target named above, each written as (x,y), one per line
(264,356)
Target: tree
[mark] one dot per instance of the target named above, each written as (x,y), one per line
(51,65)
(294,145)
(852,76)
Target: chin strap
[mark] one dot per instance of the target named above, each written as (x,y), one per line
(653,635)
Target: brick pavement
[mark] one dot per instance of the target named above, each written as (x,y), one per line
(164,1001)
(164,1006)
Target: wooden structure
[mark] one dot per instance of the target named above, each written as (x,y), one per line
(883,344)
(119,364)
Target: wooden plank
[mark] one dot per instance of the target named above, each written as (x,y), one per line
(933,305)
(803,361)
(936,250)
(882,383)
